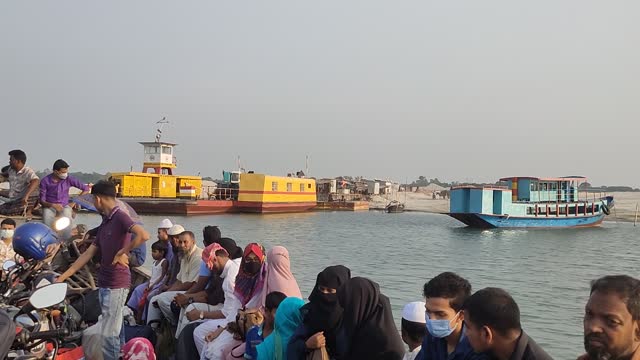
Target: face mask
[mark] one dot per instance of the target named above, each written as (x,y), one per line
(252,267)
(6,234)
(439,328)
(63,176)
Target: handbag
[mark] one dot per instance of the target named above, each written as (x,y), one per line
(245,320)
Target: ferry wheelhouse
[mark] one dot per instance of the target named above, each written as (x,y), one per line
(530,202)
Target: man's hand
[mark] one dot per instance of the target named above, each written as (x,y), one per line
(57,207)
(182,300)
(59,279)
(316,341)
(24,201)
(121,258)
(164,288)
(193,315)
(214,334)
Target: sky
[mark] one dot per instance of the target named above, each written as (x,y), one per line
(458,90)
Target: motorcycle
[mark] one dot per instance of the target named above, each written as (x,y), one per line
(43,324)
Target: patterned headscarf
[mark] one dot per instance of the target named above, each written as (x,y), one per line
(138,349)
(247,285)
(209,254)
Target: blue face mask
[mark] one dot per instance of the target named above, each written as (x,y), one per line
(439,328)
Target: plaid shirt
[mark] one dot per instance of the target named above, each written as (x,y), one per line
(19,182)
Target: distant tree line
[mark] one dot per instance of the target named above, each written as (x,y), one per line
(86,178)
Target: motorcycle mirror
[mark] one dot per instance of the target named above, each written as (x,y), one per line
(61,223)
(48,295)
(8,264)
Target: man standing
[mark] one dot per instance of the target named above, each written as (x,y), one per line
(23,182)
(492,325)
(445,295)
(113,242)
(7,228)
(612,319)
(189,269)
(54,194)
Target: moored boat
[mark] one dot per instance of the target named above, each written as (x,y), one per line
(530,202)
(394,207)
(156,190)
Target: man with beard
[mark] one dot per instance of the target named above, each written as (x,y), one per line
(612,319)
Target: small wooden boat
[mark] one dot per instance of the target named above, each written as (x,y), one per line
(394,207)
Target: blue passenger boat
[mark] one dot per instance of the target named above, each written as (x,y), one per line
(529,202)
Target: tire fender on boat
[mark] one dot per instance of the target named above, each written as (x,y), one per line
(605,209)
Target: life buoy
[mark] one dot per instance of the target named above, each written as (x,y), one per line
(605,209)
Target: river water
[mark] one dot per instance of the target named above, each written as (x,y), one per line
(546,271)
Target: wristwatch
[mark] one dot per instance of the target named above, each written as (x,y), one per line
(201,315)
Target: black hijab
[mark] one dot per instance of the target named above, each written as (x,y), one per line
(368,328)
(323,311)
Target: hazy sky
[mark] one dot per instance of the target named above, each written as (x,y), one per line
(459,90)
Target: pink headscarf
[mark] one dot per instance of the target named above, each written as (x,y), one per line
(209,254)
(279,276)
(138,349)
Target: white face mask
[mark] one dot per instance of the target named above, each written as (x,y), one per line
(63,176)
(6,234)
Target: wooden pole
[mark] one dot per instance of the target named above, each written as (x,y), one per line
(636,220)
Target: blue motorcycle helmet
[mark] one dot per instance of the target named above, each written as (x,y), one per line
(31,239)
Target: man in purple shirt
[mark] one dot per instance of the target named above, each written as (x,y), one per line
(113,242)
(54,194)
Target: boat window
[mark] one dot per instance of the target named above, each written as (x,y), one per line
(543,186)
(309,186)
(274,186)
(301,187)
(166,150)
(554,186)
(151,150)
(289,187)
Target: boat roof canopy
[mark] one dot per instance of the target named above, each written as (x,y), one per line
(156,143)
(556,179)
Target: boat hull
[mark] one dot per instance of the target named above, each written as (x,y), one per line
(272,208)
(212,207)
(484,221)
(180,207)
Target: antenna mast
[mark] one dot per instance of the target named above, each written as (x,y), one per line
(159,129)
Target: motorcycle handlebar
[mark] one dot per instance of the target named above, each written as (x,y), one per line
(49,334)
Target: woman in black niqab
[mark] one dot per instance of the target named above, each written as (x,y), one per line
(322,314)
(368,330)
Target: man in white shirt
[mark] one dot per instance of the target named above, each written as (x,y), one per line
(228,269)
(189,269)
(413,328)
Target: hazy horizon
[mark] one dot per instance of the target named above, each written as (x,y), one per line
(466,91)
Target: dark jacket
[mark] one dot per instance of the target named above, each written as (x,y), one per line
(436,349)
(527,349)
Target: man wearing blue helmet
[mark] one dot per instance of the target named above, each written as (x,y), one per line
(114,242)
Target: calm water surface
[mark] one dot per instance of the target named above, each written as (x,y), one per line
(547,271)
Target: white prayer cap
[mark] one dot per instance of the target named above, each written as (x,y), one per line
(165,224)
(414,312)
(175,230)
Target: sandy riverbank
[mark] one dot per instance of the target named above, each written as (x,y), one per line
(624,210)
